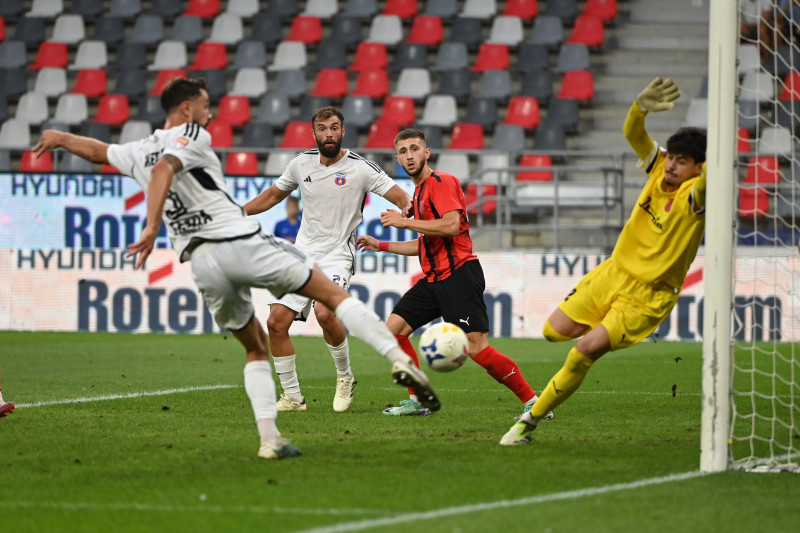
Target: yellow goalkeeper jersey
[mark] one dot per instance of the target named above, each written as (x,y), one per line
(662,235)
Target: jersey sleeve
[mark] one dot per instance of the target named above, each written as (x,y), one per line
(446,196)
(288,180)
(379,182)
(190,146)
(121,156)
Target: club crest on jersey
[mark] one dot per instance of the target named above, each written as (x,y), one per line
(341,179)
(178,143)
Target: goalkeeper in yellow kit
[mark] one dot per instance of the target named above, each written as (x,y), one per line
(624,299)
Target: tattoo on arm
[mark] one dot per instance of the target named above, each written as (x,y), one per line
(174,163)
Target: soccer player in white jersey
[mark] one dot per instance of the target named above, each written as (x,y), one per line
(333,183)
(185,187)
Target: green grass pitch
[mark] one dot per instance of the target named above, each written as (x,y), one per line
(155,433)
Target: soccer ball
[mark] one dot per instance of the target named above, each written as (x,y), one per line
(444,346)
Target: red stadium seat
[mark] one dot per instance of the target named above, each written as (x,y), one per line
(471,198)
(210,56)
(523,111)
(588,30)
(791,86)
(524,9)
(535,160)
(51,54)
(402,8)
(306,29)
(492,56)
(604,9)
(91,82)
(331,82)
(29,163)
(163,77)
(381,135)
(235,110)
(241,164)
(577,85)
(109,169)
(203,8)
(370,56)
(372,83)
(426,29)
(753,203)
(763,170)
(298,135)
(398,110)
(2,29)
(743,140)
(466,136)
(113,109)
(221,133)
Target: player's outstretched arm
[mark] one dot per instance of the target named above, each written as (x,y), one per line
(447,226)
(85,147)
(366,243)
(400,198)
(266,200)
(699,193)
(659,95)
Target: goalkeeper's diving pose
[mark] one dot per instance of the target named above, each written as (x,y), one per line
(624,299)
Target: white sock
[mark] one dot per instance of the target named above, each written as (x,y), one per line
(366,325)
(341,357)
(287,373)
(260,388)
(532,400)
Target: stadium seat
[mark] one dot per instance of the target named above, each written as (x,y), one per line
(125,9)
(31,31)
(433,135)
(456,83)
(492,165)
(12,9)
(742,140)
(468,31)
(427,30)
(697,113)
(472,198)
(404,9)
(440,110)
(169,55)
(90,54)
(361,9)
(131,82)
(250,83)
(188,30)
(347,30)
(298,135)
(791,87)
(274,109)
(578,85)
(446,9)
(203,8)
(69,162)
(227,29)
(257,135)
(235,110)
(451,56)
(386,29)
(149,109)
(289,55)
(523,111)
(69,29)
(398,110)
(753,203)
(210,56)
(492,56)
(381,135)
(109,29)
(323,9)
(358,111)
(147,30)
(292,83)
(506,30)
(241,164)
(51,82)
(370,56)
(524,9)
(250,54)
(216,82)
(482,9)
(91,82)
(605,10)
(12,55)
(109,169)
(130,56)
(3,107)
(455,163)
(535,160)
(539,84)
(113,109)
(5,161)
(71,109)
(51,54)
(495,84)
(547,30)
(221,133)
(167,9)
(758,86)
(572,57)
(46,8)
(32,108)
(30,163)
(775,140)
(763,170)
(306,29)
(564,111)
(409,55)
(331,82)
(566,10)
(588,30)
(15,134)
(373,83)
(330,54)
(163,77)
(509,137)
(276,162)
(133,130)
(283,9)
(96,130)
(466,137)
(309,105)
(482,111)
(550,137)
(414,83)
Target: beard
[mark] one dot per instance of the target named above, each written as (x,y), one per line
(329,150)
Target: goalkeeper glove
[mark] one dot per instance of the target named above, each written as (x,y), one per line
(658,95)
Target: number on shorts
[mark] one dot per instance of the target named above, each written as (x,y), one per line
(339,280)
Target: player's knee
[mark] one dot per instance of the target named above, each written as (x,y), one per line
(278,324)
(552,335)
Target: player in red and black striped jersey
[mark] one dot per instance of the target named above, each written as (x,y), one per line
(454,283)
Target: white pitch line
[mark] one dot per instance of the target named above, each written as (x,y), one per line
(142,394)
(200,508)
(361,525)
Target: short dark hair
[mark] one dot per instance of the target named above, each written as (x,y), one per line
(325,113)
(410,133)
(689,142)
(178,90)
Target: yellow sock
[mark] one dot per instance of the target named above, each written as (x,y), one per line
(563,383)
(552,335)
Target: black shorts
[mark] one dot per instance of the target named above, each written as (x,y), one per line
(457,299)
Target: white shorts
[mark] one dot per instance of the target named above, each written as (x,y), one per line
(337,270)
(225,271)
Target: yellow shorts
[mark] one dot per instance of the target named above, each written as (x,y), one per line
(627,308)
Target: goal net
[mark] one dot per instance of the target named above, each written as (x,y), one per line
(764,395)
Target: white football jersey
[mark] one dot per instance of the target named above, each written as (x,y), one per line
(333,198)
(198,206)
